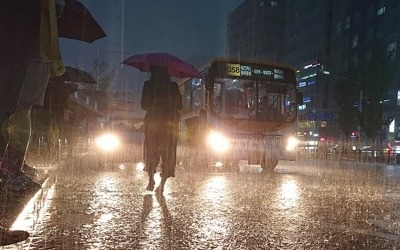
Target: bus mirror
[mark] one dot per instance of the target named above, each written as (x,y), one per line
(299,97)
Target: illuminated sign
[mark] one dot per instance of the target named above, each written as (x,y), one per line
(302,84)
(252,70)
(233,69)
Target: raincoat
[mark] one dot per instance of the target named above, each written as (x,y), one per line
(163,102)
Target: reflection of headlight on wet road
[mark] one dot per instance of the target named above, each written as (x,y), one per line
(107,142)
(292,143)
(217,141)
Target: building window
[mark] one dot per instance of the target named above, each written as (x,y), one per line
(368,55)
(354,41)
(338,27)
(354,60)
(398,98)
(391,49)
(274,3)
(380,11)
(369,34)
(347,23)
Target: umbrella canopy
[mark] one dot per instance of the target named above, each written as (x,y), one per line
(77,75)
(77,23)
(176,67)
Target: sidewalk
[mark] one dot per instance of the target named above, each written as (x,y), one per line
(13,205)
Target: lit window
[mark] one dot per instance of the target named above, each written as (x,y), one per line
(391,49)
(311,83)
(398,98)
(302,84)
(392,126)
(274,3)
(380,11)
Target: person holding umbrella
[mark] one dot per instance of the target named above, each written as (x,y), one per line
(162,101)
(30,55)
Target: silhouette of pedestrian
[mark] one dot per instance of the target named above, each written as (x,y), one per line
(29,55)
(162,101)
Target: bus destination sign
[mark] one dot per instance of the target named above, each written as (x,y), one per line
(254,71)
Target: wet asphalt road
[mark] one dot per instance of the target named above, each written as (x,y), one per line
(302,206)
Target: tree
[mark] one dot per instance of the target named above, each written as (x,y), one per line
(102,75)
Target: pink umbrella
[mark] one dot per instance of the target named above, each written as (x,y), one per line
(176,67)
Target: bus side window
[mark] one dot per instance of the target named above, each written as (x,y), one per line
(233,100)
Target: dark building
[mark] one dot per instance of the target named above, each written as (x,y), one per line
(307,46)
(323,39)
(256,30)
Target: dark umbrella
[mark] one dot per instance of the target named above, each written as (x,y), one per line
(77,23)
(77,75)
(176,67)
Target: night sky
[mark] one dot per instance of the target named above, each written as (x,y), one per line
(192,30)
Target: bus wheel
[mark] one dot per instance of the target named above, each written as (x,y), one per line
(269,164)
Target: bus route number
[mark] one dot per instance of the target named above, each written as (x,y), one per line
(233,69)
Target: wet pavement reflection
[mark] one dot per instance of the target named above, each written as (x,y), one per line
(303,207)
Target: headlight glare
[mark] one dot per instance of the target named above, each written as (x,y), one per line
(107,142)
(292,143)
(217,141)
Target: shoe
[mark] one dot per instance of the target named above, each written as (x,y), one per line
(8,237)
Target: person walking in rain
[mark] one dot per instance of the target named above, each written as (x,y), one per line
(162,101)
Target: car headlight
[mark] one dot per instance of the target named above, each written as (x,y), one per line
(107,142)
(217,141)
(292,143)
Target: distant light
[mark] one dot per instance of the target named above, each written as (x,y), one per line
(219,164)
(107,142)
(121,167)
(383,101)
(391,126)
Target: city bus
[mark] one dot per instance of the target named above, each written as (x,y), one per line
(241,113)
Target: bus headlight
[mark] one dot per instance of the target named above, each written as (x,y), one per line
(107,142)
(292,143)
(217,141)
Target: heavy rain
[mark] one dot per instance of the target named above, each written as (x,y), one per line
(283,139)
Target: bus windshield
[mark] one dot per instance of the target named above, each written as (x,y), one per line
(262,100)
